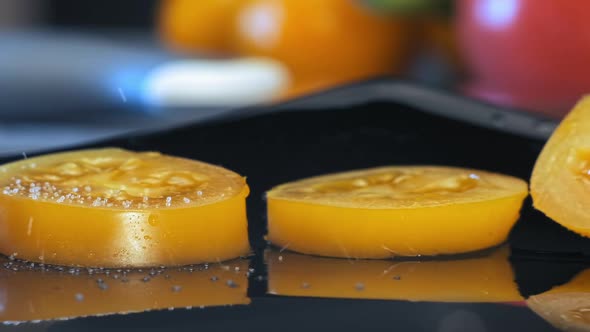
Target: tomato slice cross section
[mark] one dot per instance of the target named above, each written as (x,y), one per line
(395,211)
(113,207)
(560,184)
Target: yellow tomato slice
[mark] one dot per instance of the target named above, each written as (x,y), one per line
(112,207)
(486,278)
(560,184)
(567,307)
(395,211)
(43,293)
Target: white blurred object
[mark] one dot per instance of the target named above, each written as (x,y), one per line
(237,82)
(60,88)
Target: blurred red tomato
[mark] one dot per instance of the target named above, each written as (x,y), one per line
(527,53)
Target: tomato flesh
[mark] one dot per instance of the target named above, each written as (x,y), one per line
(560,184)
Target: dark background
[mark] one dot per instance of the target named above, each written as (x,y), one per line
(104,13)
(72,13)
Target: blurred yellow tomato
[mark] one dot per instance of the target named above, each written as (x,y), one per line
(322,42)
(198,26)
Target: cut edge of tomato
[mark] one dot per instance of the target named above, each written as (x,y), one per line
(12,169)
(277,191)
(552,170)
(516,195)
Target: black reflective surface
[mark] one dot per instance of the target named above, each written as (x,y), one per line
(274,148)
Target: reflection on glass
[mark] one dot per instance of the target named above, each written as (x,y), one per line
(567,307)
(31,292)
(487,278)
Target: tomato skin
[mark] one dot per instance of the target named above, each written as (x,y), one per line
(201,26)
(527,53)
(80,236)
(323,43)
(320,40)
